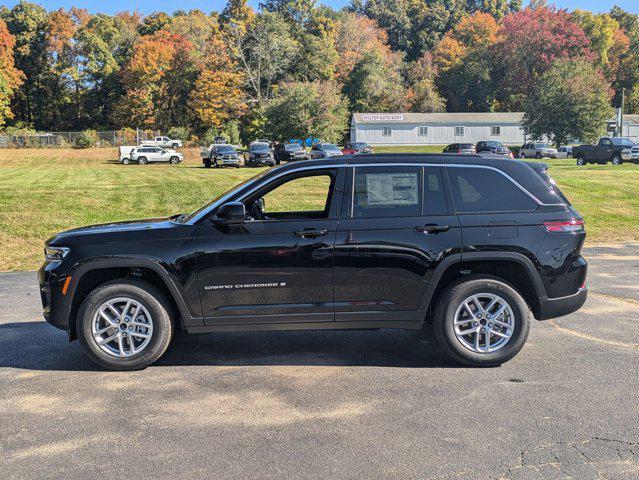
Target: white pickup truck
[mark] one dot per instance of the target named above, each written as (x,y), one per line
(163,142)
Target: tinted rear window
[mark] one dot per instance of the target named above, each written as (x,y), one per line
(484,190)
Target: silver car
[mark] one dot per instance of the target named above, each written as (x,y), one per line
(630,154)
(325,150)
(537,150)
(148,154)
(564,152)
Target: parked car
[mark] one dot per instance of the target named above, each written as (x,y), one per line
(163,142)
(352,148)
(150,154)
(537,150)
(460,148)
(220,155)
(377,245)
(564,152)
(124,154)
(630,154)
(289,152)
(608,149)
(493,146)
(259,154)
(325,150)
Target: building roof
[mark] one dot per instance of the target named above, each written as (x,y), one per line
(465,118)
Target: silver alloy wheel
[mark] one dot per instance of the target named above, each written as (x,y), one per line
(122,327)
(484,323)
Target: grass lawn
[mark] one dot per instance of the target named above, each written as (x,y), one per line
(46,191)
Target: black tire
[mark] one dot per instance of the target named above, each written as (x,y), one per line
(142,160)
(616,160)
(522,155)
(175,146)
(152,299)
(207,163)
(538,155)
(444,317)
(174,160)
(215,164)
(581,161)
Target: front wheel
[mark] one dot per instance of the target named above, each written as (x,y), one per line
(581,161)
(174,160)
(538,155)
(481,321)
(522,155)
(125,325)
(175,146)
(616,160)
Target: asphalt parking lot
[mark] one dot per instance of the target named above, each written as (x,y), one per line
(330,404)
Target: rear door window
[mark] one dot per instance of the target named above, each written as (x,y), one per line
(478,190)
(387,192)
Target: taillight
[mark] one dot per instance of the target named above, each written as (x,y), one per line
(565,226)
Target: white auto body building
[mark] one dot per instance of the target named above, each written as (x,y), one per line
(436,128)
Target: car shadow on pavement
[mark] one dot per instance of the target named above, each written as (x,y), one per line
(37,346)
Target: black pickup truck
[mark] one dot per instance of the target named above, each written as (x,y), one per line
(607,150)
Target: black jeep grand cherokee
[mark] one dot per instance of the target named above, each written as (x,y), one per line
(474,246)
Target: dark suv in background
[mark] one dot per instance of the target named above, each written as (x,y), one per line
(493,146)
(473,246)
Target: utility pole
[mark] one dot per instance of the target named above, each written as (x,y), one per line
(623,101)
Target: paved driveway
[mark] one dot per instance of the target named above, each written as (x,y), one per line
(330,404)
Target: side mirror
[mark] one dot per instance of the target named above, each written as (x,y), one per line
(232,213)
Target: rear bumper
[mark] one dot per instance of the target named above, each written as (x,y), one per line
(558,307)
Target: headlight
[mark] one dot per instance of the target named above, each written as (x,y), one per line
(55,254)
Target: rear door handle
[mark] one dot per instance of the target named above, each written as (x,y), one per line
(310,233)
(432,228)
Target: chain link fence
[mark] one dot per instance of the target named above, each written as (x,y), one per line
(111,138)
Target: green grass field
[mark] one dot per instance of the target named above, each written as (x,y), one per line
(46,191)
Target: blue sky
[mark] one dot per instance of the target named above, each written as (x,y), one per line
(147,6)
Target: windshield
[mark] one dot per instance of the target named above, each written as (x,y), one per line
(359,145)
(623,142)
(494,144)
(225,149)
(291,147)
(541,145)
(260,147)
(329,146)
(214,201)
(466,146)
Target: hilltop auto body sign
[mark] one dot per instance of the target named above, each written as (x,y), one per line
(392,117)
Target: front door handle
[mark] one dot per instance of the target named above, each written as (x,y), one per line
(310,233)
(432,228)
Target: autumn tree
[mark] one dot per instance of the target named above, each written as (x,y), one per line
(571,100)
(422,94)
(27,23)
(529,42)
(355,35)
(307,109)
(10,77)
(158,77)
(375,86)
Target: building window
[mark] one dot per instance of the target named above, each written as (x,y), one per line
(459,131)
(495,130)
(386,131)
(423,131)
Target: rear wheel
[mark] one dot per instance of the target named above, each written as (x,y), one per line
(522,155)
(481,321)
(125,325)
(142,160)
(125,161)
(538,155)
(207,163)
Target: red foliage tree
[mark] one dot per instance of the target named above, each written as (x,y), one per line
(529,41)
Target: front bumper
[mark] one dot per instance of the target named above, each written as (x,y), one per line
(54,305)
(630,156)
(558,307)
(268,161)
(228,161)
